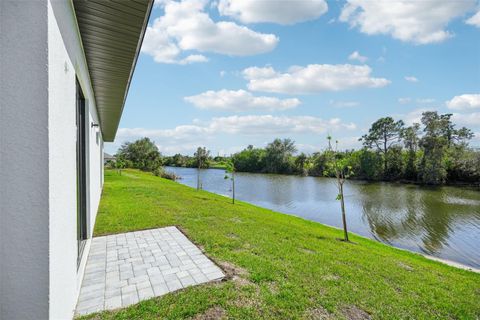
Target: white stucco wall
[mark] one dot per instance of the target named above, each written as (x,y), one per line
(40,57)
(62,175)
(66,63)
(24,196)
(96,166)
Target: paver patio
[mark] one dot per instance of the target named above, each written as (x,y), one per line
(126,268)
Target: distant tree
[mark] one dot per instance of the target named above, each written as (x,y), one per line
(342,170)
(178,160)
(452,135)
(230,174)
(367,164)
(300,162)
(383,133)
(119,164)
(465,166)
(278,154)
(142,154)
(462,136)
(395,163)
(433,152)
(434,144)
(201,156)
(410,137)
(250,160)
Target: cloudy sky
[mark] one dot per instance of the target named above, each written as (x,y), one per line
(225,74)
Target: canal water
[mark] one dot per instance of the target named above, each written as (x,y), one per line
(442,222)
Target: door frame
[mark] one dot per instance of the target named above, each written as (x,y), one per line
(81,174)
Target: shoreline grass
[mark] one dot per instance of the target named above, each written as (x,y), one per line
(281,266)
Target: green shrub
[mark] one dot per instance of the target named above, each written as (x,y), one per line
(162,173)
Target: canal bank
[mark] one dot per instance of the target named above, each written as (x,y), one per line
(442,222)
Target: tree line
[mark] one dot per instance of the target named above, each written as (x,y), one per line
(433,151)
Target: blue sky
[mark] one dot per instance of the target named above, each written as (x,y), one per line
(229,73)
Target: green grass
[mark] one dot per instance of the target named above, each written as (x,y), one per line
(289,268)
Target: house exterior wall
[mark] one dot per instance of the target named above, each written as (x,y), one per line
(24,178)
(41,58)
(66,64)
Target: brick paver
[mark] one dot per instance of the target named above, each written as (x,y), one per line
(126,268)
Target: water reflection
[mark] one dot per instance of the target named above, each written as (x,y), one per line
(443,222)
(399,213)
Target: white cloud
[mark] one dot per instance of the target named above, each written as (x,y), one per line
(313,78)
(185,26)
(310,148)
(247,125)
(460,119)
(344,143)
(275,11)
(344,104)
(420,101)
(223,73)
(189,148)
(199,133)
(464,102)
(268,124)
(239,101)
(348,143)
(474,20)
(357,56)
(411,79)
(414,116)
(467,119)
(420,22)
(425,101)
(476,139)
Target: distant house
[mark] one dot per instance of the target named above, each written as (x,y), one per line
(108,158)
(65,69)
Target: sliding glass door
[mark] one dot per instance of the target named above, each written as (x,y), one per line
(81,121)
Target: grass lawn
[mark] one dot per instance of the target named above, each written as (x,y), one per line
(282,267)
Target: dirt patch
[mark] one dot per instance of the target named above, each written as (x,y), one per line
(306,250)
(213,313)
(405,266)
(232,270)
(248,302)
(273,288)
(319,313)
(236,220)
(247,246)
(331,277)
(355,313)
(241,282)
(235,273)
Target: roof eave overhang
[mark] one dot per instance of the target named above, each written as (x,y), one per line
(112,33)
